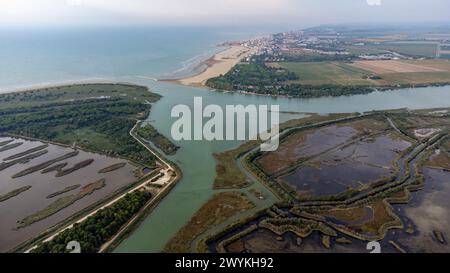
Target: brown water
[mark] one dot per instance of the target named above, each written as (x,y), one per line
(305,144)
(33,200)
(364,162)
(428,211)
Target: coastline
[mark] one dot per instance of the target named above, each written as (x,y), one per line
(219,64)
(55,84)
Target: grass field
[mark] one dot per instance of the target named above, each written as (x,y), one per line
(415,49)
(391,72)
(318,73)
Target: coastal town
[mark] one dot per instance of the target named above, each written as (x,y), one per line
(331,42)
(325,61)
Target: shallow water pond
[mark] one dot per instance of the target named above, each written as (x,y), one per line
(35,199)
(364,162)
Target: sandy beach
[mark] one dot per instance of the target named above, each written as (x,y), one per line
(217,65)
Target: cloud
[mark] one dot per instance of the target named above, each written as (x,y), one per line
(74,2)
(374,2)
(129,11)
(193,8)
(216,12)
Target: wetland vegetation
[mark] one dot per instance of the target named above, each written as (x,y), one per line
(113,167)
(383,141)
(10,146)
(62,203)
(67,189)
(219,208)
(74,168)
(14,193)
(69,122)
(99,228)
(44,165)
(149,133)
(55,168)
(32,150)
(51,199)
(25,159)
(96,117)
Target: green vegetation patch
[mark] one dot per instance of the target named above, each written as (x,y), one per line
(96,117)
(13,193)
(412,49)
(3,143)
(217,210)
(260,78)
(22,160)
(55,168)
(44,165)
(76,167)
(149,133)
(229,176)
(113,167)
(10,146)
(32,150)
(67,189)
(252,77)
(323,73)
(99,228)
(61,203)
(301,227)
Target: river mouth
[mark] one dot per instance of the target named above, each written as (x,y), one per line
(195,188)
(46,188)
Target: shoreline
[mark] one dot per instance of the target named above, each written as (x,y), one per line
(218,64)
(48,85)
(375,89)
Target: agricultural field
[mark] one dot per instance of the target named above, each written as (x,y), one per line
(413,49)
(370,73)
(321,73)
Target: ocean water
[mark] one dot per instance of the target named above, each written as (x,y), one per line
(44,56)
(137,55)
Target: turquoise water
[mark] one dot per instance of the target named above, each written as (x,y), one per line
(29,58)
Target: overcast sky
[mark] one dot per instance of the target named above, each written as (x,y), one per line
(218,12)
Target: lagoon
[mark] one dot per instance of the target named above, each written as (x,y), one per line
(196,157)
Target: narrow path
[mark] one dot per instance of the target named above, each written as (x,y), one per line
(165,180)
(391,122)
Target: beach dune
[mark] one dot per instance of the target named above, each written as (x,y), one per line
(217,65)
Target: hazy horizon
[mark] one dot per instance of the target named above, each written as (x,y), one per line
(274,13)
